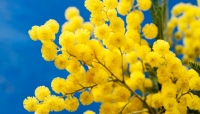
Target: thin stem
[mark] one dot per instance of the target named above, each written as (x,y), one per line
(122,64)
(183,94)
(80,89)
(143,101)
(106,68)
(139,111)
(126,105)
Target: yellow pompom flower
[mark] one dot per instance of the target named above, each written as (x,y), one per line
(49,50)
(71,12)
(113,59)
(117,25)
(33,33)
(83,35)
(89,26)
(57,84)
(144,4)
(135,18)
(156,100)
(105,88)
(94,5)
(132,57)
(61,61)
(89,112)
(102,31)
(74,65)
(183,83)
(136,67)
(124,7)
(179,49)
(161,46)
(150,31)
(111,13)
(133,35)
(66,38)
(142,51)
(194,102)
(53,24)
(71,104)
(117,40)
(148,83)
(84,53)
(128,46)
(107,108)
(97,19)
(42,109)
(194,83)
(138,78)
(54,103)
(76,22)
(170,104)
(45,33)
(30,104)
(154,59)
(192,73)
(169,90)
(111,4)
(101,76)
(122,94)
(67,26)
(41,92)
(86,98)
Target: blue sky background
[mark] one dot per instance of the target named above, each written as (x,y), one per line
(22,67)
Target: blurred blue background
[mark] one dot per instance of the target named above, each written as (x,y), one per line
(22,67)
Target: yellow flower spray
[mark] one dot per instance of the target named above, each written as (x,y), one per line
(110,61)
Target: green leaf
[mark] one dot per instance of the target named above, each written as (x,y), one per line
(195,66)
(159,15)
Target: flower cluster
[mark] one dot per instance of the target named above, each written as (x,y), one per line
(185,21)
(109,61)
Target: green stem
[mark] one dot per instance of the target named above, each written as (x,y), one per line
(159,14)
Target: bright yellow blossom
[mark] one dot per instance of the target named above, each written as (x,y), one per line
(41,92)
(71,12)
(57,84)
(144,4)
(53,24)
(42,109)
(94,5)
(49,50)
(30,104)
(86,98)
(102,32)
(150,31)
(33,33)
(111,4)
(71,104)
(161,46)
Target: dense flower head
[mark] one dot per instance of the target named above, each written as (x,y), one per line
(144,4)
(41,92)
(110,61)
(30,104)
(71,104)
(71,12)
(150,31)
(86,98)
